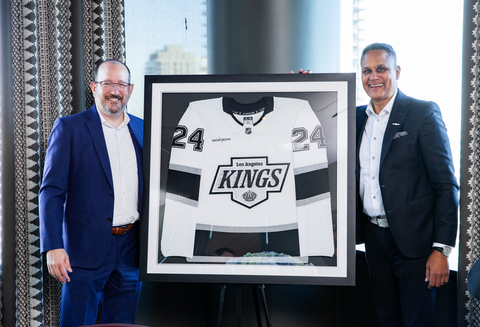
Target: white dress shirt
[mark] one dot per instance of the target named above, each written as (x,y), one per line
(370,152)
(123,163)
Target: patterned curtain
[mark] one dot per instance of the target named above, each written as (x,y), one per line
(468,308)
(48,57)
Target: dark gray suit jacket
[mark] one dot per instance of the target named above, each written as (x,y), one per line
(417,181)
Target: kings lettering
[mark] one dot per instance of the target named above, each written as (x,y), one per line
(256,174)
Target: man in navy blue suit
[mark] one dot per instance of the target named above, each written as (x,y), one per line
(407,194)
(90,204)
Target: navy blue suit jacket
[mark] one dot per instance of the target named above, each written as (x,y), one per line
(417,181)
(76,196)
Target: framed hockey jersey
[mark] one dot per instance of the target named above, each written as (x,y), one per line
(249,179)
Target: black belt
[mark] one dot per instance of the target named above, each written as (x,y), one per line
(122,230)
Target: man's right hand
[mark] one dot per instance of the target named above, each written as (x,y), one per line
(58,264)
(301,71)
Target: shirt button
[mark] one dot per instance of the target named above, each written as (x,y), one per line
(373,157)
(374,197)
(374,138)
(373,177)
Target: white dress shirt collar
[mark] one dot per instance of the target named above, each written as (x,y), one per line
(126,120)
(387,108)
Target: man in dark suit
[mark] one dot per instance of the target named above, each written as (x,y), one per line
(407,194)
(90,203)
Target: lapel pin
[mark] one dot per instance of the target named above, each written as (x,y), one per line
(395,124)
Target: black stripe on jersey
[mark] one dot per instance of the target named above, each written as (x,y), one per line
(311,184)
(207,243)
(183,184)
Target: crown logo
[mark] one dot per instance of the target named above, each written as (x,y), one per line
(249,196)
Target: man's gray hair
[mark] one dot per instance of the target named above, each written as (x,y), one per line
(381,46)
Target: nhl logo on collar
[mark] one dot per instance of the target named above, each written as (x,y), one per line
(248,124)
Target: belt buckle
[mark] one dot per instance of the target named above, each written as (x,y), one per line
(381,222)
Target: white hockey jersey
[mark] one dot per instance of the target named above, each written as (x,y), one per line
(259,167)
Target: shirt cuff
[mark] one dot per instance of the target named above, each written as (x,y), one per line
(441,245)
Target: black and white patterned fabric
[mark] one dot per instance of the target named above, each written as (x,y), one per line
(27,161)
(469,308)
(54,71)
(42,78)
(104,36)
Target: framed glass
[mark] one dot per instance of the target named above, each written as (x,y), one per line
(249,179)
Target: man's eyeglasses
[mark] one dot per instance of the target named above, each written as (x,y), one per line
(110,85)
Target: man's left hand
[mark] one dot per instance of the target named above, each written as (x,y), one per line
(437,270)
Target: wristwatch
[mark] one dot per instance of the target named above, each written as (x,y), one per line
(445,250)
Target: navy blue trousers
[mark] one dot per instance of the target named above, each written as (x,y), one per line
(115,284)
(400,293)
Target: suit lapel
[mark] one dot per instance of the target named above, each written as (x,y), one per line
(395,122)
(94,125)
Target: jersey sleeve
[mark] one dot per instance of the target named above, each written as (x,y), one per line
(183,184)
(312,190)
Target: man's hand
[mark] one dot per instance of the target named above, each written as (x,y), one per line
(58,263)
(301,71)
(436,270)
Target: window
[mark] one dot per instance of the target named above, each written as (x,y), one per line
(169,37)
(164,37)
(429,51)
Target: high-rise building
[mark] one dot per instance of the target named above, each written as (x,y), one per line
(174,61)
(358,45)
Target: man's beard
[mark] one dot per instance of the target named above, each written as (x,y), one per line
(105,108)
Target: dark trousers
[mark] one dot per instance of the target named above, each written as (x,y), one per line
(400,293)
(115,284)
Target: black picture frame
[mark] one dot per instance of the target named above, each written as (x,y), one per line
(332,99)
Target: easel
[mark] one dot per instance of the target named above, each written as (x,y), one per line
(256,288)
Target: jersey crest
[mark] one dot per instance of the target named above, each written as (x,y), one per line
(249,180)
